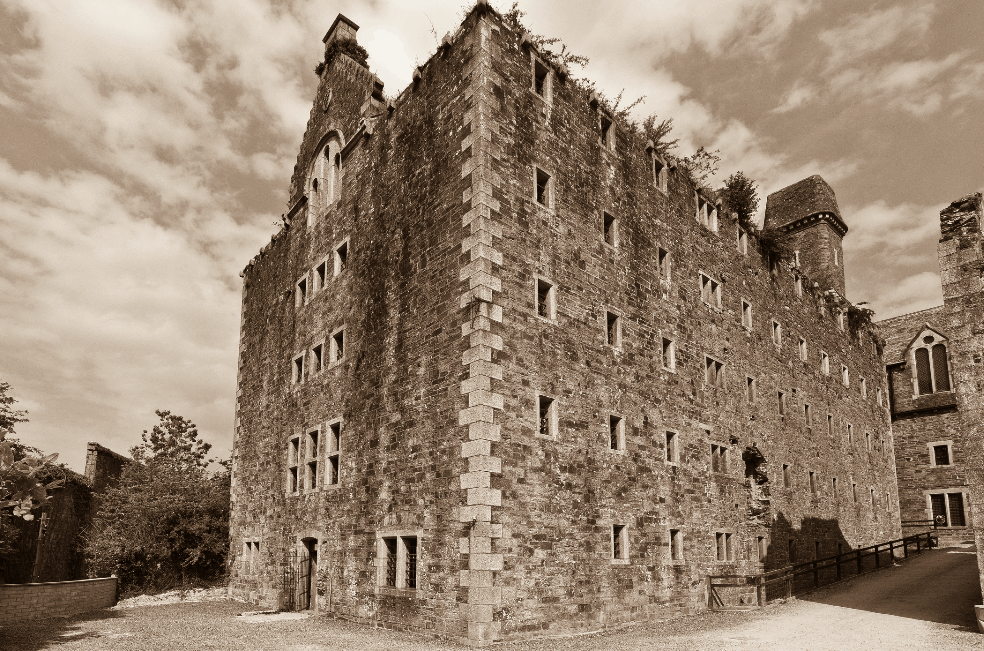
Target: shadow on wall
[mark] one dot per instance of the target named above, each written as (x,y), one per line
(38,634)
(939,586)
(814,538)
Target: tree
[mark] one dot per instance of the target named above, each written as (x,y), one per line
(701,165)
(20,474)
(742,197)
(167,522)
(173,441)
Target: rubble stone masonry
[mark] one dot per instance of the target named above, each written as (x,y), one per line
(531,314)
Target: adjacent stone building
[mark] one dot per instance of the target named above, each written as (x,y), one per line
(936,375)
(505,372)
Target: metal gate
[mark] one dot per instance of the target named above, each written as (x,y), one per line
(295,583)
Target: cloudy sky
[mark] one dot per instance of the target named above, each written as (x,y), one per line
(146,148)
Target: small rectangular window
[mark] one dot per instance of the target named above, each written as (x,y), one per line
(782,402)
(802,349)
(676,545)
(713,372)
(669,354)
(864,388)
(836,258)
(746,314)
(830,425)
(719,458)
(607,133)
(671,447)
(620,542)
(609,229)
(761,549)
(813,482)
(341,257)
(293,459)
(710,290)
(663,263)
(399,569)
(750,390)
(321,275)
(941,455)
(338,346)
(724,546)
(313,454)
(300,293)
(798,284)
(613,329)
(776,333)
(545,299)
(616,433)
(742,241)
(543,189)
(659,173)
(807,416)
(333,452)
(874,504)
(824,363)
(796,258)
(297,370)
(867,441)
(787,479)
(845,376)
(317,358)
(833,486)
(850,434)
(854,492)
(546,412)
(541,78)
(878,396)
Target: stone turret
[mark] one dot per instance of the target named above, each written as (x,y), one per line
(807,216)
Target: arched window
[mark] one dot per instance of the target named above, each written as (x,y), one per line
(324,178)
(932,369)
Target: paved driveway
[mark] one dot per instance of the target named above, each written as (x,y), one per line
(926,603)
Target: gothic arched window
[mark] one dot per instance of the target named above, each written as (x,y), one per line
(932,372)
(324,178)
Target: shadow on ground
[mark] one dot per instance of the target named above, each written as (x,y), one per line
(37,634)
(940,586)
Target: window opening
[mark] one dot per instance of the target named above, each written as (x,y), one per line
(317,358)
(663,263)
(334,451)
(607,136)
(547,416)
(787,478)
(719,458)
(540,78)
(669,354)
(782,403)
(714,372)
(813,482)
(610,229)
(659,173)
(824,363)
(750,390)
(543,188)
(802,349)
(854,492)
(619,542)
(391,554)
(746,314)
(545,299)
(616,433)
(850,434)
(864,388)
(830,424)
(776,333)
(807,416)
(293,458)
(298,370)
(710,291)
(941,455)
(301,293)
(742,241)
(725,550)
(799,285)
(671,447)
(338,346)
(761,548)
(613,329)
(676,545)
(845,376)
(312,464)
(341,257)
(321,275)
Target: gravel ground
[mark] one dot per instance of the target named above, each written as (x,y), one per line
(924,604)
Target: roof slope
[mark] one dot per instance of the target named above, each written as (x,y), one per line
(899,331)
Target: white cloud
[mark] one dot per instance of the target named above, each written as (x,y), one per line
(797,96)
(865,34)
(389,60)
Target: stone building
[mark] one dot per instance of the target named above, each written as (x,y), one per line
(505,372)
(934,363)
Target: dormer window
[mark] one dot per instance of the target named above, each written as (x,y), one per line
(931,369)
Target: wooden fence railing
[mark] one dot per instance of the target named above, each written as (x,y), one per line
(745,592)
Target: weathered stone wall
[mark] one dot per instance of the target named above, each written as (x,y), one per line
(397,389)
(58,599)
(445,356)
(561,497)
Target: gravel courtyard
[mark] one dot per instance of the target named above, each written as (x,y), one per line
(926,603)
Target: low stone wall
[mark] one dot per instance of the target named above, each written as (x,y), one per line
(39,600)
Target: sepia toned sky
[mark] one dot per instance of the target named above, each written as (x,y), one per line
(146,148)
